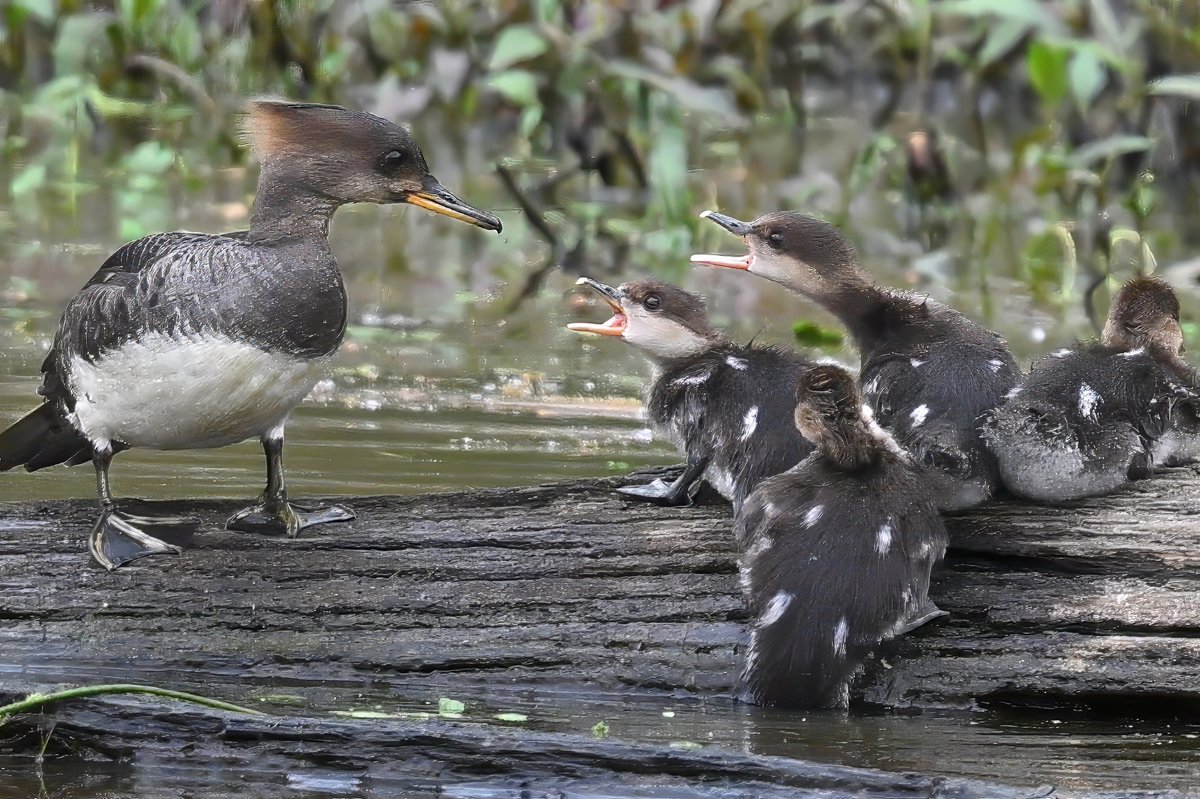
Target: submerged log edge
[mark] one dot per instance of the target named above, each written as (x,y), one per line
(574,588)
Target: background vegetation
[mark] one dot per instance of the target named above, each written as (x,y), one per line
(1059,139)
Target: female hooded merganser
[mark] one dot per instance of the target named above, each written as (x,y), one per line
(836,552)
(928,372)
(727,407)
(1088,420)
(189,340)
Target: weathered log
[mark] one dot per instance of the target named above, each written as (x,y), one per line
(572,600)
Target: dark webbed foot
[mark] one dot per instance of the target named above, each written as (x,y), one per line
(116,541)
(280,518)
(922,614)
(658,492)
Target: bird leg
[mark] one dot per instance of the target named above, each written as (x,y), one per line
(676,494)
(273,514)
(115,540)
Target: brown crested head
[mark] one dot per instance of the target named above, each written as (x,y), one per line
(663,320)
(1145,313)
(826,397)
(803,253)
(349,156)
(830,414)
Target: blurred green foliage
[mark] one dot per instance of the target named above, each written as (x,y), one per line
(621,120)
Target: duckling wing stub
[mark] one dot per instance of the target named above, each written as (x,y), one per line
(933,400)
(733,408)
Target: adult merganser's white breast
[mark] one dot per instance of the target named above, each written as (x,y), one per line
(189,391)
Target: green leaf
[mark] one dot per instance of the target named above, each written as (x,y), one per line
(668,167)
(517,85)
(689,94)
(42,9)
(1107,149)
(364,714)
(1187,86)
(600,729)
(810,334)
(1001,40)
(1031,13)
(450,707)
(1088,78)
(517,43)
(1047,66)
(515,718)
(29,179)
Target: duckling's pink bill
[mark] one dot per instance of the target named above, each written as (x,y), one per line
(726,261)
(613,327)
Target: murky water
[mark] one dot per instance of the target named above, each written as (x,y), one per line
(454,393)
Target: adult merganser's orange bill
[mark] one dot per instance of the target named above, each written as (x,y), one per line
(728,407)
(190,340)
(928,372)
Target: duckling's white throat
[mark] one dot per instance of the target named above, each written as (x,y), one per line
(187,392)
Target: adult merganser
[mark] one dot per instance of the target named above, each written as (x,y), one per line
(836,552)
(1089,419)
(189,340)
(928,372)
(726,406)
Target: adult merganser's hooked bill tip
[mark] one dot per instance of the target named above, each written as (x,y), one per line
(437,198)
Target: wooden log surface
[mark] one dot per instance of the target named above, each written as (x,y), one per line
(573,605)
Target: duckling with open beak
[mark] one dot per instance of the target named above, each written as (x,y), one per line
(928,372)
(836,552)
(190,340)
(726,406)
(1089,419)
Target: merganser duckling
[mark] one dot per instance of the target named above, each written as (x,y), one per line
(928,372)
(1089,419)
(726,406)
(836,552)
(190,340)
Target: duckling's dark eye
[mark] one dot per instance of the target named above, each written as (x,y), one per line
(393,159)
(774,241)
(652,303)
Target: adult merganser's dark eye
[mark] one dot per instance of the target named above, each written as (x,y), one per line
(652,303)
(775,241)
(394,158)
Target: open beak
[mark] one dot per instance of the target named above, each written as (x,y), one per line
(437,198)
(614,326)
(738,228)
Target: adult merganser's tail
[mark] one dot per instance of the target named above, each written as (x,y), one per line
(42,438)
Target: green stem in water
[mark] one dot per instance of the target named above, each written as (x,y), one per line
(37,700)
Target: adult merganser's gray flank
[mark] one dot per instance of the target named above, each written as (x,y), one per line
(1089,419)
(928,372)
(727,407)
(836,552)
(188,340)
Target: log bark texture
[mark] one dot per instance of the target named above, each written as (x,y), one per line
(507,597)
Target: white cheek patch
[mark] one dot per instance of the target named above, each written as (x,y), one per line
(661,337)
